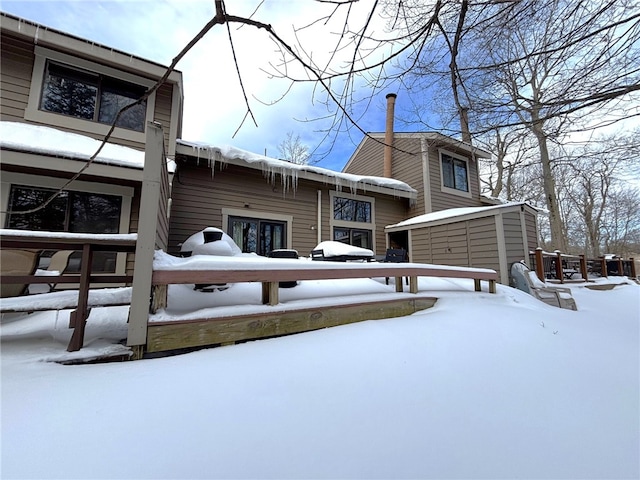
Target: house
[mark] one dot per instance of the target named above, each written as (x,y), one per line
(56,84)
(58,96)
(266,204)
(451,223)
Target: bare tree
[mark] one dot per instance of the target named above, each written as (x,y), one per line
(546,67)
(293,150)
(597,193)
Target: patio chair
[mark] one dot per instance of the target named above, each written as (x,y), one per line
(526,280)
(16,262)
(396,255)
(57,266)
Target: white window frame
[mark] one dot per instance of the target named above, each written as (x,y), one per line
(357,225)
(453,191)
(33,112)
(37,181)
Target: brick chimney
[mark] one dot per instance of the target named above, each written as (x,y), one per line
(388,136)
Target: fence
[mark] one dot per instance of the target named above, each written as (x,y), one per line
(563,267)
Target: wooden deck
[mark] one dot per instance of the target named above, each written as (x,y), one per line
(174,335)
(277,319)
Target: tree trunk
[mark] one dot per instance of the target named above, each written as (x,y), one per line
(555,220)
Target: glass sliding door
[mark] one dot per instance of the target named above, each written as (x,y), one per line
(254,235)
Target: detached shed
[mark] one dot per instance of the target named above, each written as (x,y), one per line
(486,237)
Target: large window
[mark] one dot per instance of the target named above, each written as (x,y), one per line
(351,210)
(353,220)
(258,235)
(454,173)
(353,236)
(70,211)
(81,94)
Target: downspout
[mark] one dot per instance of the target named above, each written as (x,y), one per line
(388,136)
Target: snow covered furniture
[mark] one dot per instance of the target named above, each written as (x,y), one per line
(333,251)
(16,262)
(526,280)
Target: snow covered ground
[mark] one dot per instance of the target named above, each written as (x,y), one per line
(480,386)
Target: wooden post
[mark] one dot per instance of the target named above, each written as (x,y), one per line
(559,273)
(633,268)
(413,284)
(79,315)
(154,160)
(620,267)
(583,267)
(603,267)
(539,264)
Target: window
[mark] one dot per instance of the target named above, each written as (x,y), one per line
(71,211)
(256,235)
(94,97)
(353,219)
(351,210)
(353,236)
(454,173)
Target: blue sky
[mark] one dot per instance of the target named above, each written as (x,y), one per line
(214,105)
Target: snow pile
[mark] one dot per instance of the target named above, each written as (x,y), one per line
(219,243)
(29,138)
(452,213)
(337,249)
(480,386)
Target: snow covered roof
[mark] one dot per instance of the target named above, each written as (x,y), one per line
(25,137)
(291,172)
(464,213)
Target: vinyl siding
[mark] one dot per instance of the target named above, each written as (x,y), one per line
(368,160)
(406,164)
(133,226)
(198,197)
(16,64)
(471,243)
(407,167)
(162,112)
(532,230)
(441,200)
(513,237)
(483,243)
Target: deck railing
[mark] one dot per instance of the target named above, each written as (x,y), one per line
(562,267)
(87,244)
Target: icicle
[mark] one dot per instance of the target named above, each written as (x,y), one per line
(35,37)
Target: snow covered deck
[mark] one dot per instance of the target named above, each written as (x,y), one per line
(273,318)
